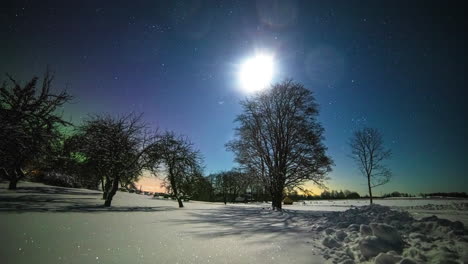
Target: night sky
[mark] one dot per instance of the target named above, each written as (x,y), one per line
(395,66)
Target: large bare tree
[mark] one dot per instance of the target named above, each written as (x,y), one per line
(369,153)
(279,139)
(29,125)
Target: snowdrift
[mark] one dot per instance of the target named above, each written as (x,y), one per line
(379,234)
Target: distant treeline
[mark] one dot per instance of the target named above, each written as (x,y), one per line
(325,195)
(397,194)
(445,194)
(346,194)
(426,195)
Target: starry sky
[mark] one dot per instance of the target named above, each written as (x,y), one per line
(398,66)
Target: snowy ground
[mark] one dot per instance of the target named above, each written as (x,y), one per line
(45,224)
(452,209)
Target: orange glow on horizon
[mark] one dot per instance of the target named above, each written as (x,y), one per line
(150,184)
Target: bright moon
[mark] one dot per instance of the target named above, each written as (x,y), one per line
(256,73)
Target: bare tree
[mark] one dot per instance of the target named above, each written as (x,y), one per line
(230,184)
(181,161)
(369,153)
(222,185)
(279,139)
(114,150)
(29,125)
(202,190)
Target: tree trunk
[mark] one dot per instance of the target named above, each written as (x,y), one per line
(111,193)
(277,201)
(106,189)
(12,184)
(17,175)
(175,192)
(235,197)
(370,189)
(277,195)
(102,188)
(179,200)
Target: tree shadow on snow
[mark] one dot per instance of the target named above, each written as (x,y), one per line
(75,207)
(55,190)
(57,199)
(249,221)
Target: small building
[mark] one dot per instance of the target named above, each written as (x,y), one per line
(287,201)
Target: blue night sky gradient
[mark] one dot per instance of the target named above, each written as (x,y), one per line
(392,66)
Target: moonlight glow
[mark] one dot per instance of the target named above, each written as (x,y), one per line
(256,73)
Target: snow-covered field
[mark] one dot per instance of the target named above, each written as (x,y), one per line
(452,209)
(46,224)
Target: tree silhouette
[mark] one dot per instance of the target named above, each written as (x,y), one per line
(230,184)
(279,139)
(113,149)
(369,153)
(29,125)
(181,161)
